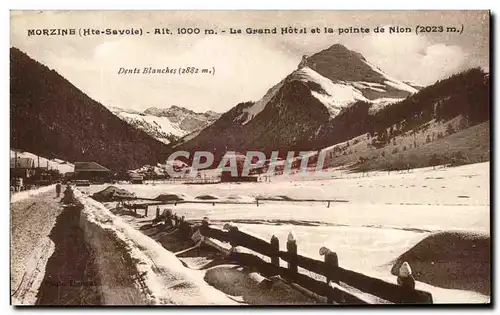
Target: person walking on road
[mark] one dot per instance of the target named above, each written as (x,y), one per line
(157,212)
(58,189)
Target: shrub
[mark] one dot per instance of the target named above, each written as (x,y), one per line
(458,158)
(449,129)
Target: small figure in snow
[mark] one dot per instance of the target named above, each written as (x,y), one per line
(68,195)
(58,189)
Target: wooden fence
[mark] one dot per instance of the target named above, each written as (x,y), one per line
(335,287)
(126,202)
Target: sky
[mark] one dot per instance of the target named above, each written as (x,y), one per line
(246,66)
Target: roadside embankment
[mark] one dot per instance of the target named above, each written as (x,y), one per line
(134,269)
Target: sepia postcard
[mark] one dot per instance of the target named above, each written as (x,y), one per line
(250,158)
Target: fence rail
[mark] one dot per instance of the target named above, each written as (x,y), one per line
(336,277)
(258,201)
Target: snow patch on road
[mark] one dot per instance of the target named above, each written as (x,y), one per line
(161,277)
(30,193)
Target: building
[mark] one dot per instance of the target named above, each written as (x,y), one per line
(24,167)
(136,179)
(92,172)
(227,176)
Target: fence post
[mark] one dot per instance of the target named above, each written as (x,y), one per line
(205,222)
(168,218)
(233,231)
(189,230)
(275,243)
(185,228)
(157,212)
(291,247)
(331,263)
(146,210)
(257,202)
(181,225)
(405,277)
(328,204)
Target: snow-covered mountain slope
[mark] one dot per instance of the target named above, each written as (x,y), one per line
(168,124)
(334,96)
(338,78)
(296,110)
(250,112)
(400,85)
(159,127)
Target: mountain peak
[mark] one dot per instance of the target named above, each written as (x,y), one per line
(342,52)
(338,63)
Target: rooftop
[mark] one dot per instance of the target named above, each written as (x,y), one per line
(89,167)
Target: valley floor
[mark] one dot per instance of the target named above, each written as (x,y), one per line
(385,213)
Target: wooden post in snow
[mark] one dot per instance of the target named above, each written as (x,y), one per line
(332,263)
(205,224)
(185,228)
(405,277)
(291,247)
(189,230)
(168,218)
(275,243)
(233,231)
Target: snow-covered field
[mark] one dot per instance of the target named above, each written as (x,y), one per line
(386,214)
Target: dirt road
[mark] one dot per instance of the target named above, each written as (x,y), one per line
(50,262)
